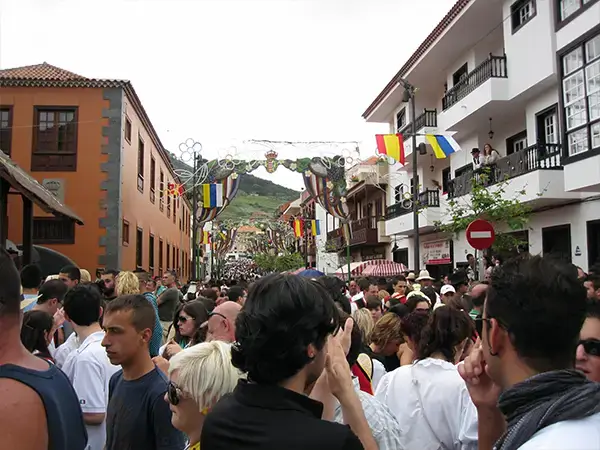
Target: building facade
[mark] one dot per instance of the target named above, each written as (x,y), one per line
(92,144)
(485,76)
(367,200)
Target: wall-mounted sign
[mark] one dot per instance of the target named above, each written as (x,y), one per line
(56,186)
(577,251)
(436,252)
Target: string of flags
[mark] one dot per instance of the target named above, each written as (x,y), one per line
(392,145)
(299,226)
(175,190)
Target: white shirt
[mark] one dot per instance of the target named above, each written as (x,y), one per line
(447,418)
(378,373)
(63,351)
(89,370)
(581,434)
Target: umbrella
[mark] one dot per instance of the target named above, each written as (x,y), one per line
(310,273)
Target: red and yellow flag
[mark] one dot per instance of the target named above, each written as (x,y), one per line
(299,228)
(391,145)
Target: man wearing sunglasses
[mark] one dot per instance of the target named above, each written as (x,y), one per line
(588,350)
(221,322)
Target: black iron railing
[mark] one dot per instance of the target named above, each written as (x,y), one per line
(492,67)
(535,157)
(430,198)
(428,118)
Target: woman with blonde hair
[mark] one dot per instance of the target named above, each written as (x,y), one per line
(85,276)
(198,377)
(127,283)
(364,321)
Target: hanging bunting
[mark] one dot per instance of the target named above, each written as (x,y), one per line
(443,146)
(391,145)
(299,228)
(212,195)
(315,227)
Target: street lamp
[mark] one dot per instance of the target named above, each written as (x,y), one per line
(190,151)
(409,96)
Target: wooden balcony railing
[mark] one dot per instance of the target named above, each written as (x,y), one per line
(535,157)
(364,232)
(428,118)
(492,67)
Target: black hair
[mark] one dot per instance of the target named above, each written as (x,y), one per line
(470,255)
(413,324)
(593,309)
(364,284)
(282,316)
(334,286)
(196,309)
(414,300)
(373,302)
(112,272)
(143,315)
(72,272)
(52,289)
(431,294)
(356,339)
(82,304)
(209,293)
(395,280)
(31,276)
(35,324)
(542,305)
(447,327)
(381,282)
(235,293)
(10,286)
(594,279)
(399,309)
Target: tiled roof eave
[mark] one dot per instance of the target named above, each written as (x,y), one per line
(83,83)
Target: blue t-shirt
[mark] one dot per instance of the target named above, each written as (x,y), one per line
(156,340)
(138,418)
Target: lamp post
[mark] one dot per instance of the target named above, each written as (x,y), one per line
(190,152)
(409,95)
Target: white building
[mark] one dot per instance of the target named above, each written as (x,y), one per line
(524,76)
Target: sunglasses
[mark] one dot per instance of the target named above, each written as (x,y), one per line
(590,346)
(183,319)
(175,394)
(479,324)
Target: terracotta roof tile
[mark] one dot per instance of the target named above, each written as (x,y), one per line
(42,71)
(420,51)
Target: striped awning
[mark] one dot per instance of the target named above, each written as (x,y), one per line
(386,269)
(358,269)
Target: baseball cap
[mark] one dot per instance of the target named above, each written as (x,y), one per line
(447,288)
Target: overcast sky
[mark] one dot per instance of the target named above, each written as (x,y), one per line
(225,71)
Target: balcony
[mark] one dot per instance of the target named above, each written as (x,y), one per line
(493,67)
(477,94)
(399,219)
(537,170)
(427,119)
(365,231)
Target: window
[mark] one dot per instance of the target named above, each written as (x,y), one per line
(547,126)
(581,96)
(168,206)
(516,143)
(140,164)
(400,119)
(521,12)
(5,128)
(151,254)
(398,191)
(152,180)
(571,8)
(161,194)
(175,204)
(139,248)
(128,129)
(55,140)
(412,186)
(53,230)
(160,256)
(460,74)
(125,230)
(168,262)
(445,180)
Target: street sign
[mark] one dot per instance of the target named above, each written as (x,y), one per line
(480,234)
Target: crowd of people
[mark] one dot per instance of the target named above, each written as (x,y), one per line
(511,361)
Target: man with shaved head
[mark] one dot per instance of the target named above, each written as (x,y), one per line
(221,322)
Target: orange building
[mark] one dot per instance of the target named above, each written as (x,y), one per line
(92,144)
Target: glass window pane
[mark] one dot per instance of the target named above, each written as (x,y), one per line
(568,7)
(592,49)
(573,61)
(576,114)
(595,129)
(573,87)
(594,106)
(577,142)
(592,75)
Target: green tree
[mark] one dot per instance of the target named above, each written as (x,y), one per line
(490,203)
(287,262)
(265,261)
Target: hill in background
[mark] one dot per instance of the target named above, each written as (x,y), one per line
(255,195)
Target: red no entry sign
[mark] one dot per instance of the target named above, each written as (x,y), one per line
(480,234)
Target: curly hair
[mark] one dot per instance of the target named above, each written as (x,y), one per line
(282,316)
(386,330)
(127,284)
(446,329)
